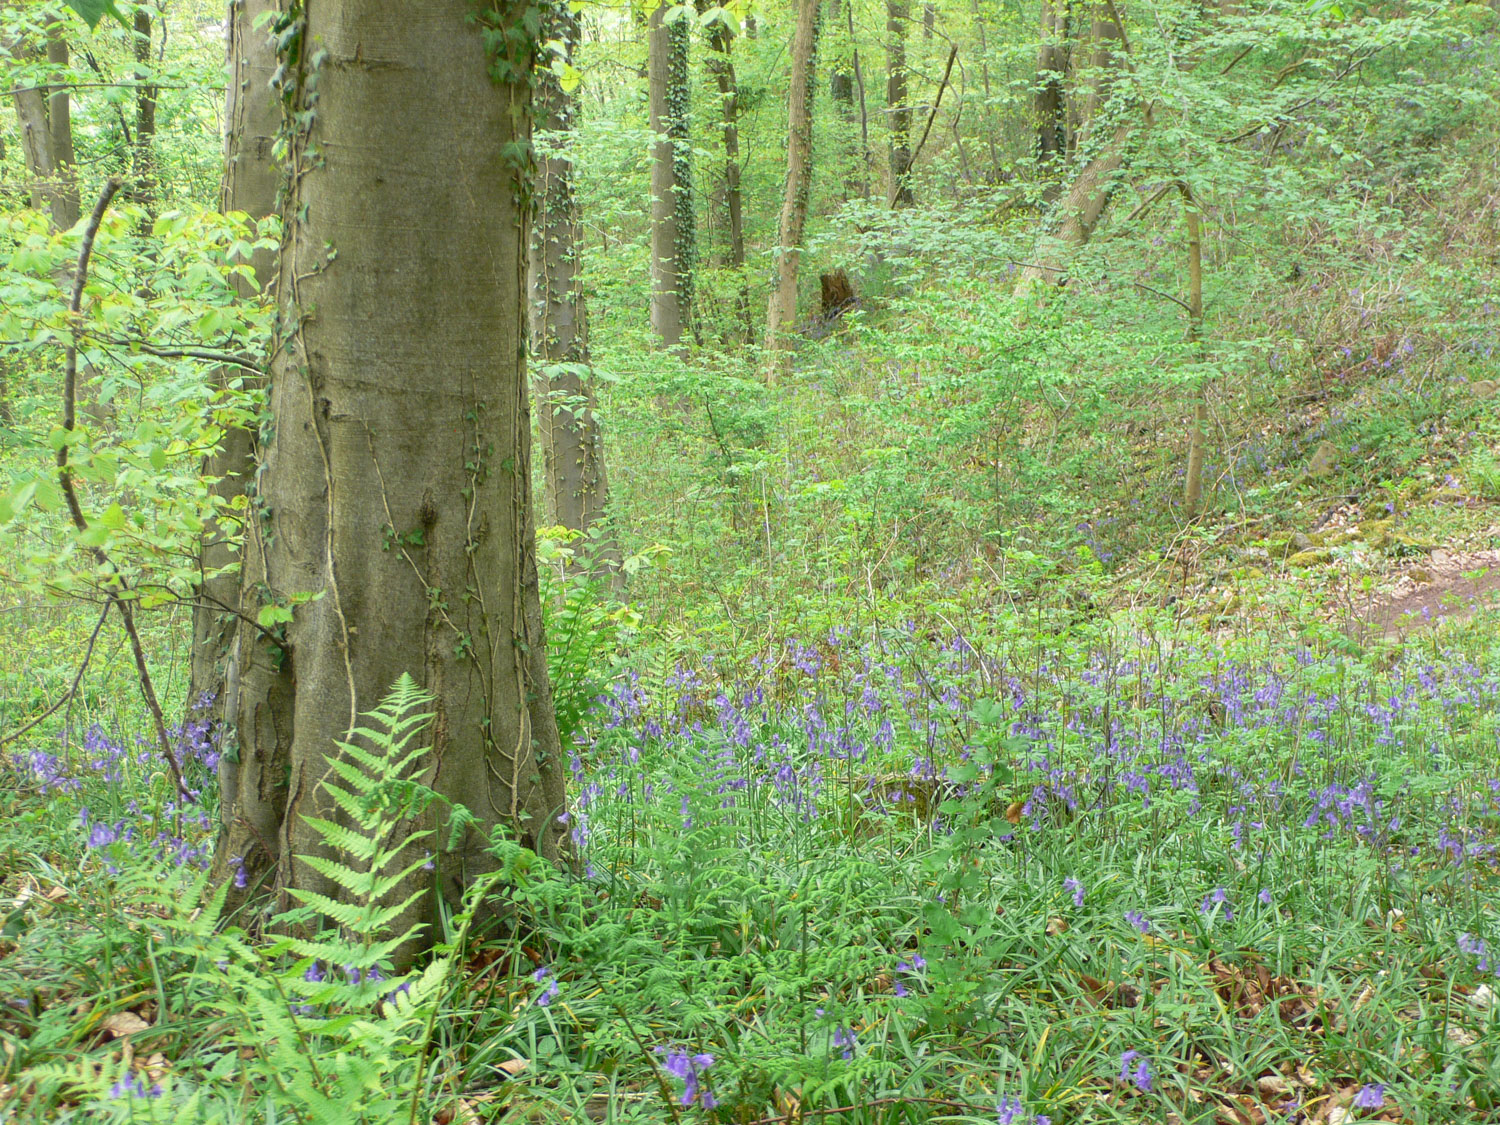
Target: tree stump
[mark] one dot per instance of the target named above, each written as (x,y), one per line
(838,293)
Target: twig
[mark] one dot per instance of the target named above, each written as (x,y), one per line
(70,492)
(72,691)
(1166,296)
(212,355)
(936,103)
(666,1091)
(1150,202)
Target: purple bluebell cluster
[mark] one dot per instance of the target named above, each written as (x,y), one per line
(1248,748)
(692,1071)
(1013,1111)
(1136,1069)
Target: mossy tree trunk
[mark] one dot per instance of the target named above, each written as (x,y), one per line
(781,312)
(898,108)
(252,116)
(393,511)
(720,64)
(572,446)
(44,118)
(673,230)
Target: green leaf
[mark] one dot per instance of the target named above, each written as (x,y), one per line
(93,11)
(272,615)
(113,517)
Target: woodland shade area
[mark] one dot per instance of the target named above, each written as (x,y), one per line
(998,624)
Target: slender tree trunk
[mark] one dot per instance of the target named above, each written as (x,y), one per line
(60,130)
(1049,102)
(781,313)
(252,118)
(720,64)
(1077,214)
(673,234)
(989,98)
(1192,494)
(897,107)
(867,160)
(143,170)
(396,487)
(929,20)
(841,89)
(43,117)
(1106,137)
(572,447)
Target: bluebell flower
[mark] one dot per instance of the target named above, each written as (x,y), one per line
(1370,1096)
(1141,1075)
(549,993)
(691,1069)
(1072,884)
(845,1039)
(1138,920)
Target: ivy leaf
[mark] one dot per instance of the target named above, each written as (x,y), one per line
(93,11)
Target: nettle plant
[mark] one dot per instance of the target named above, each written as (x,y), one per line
(165,345)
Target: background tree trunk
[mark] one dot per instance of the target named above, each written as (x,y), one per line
(396,486)
(1192,493)
(1049,101)
(720,64)
(143,170)
(897,107)
(781,313)
(44,118)
(673,234)
(252,116)
(572,447)
(1072,221)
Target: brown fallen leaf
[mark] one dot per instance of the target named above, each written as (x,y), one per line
(513,1067)
(1056,926)
(121,1024)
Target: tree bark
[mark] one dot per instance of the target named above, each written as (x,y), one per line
(1049,102)
(252,117)
(1192,493)
(44,117)
(720,64)
(781,313)
(844,78)
(897,107)
(395,489)
(673,233)
(143,170)
(1076,214)
(572,446)
(1072,221)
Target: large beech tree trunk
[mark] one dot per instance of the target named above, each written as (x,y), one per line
(395,489)
(572,448)
(782,310)
(898,108)
(252,117)
(673,234)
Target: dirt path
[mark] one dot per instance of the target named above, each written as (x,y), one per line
(1447,586)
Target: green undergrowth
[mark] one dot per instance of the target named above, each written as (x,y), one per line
(1088,872)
